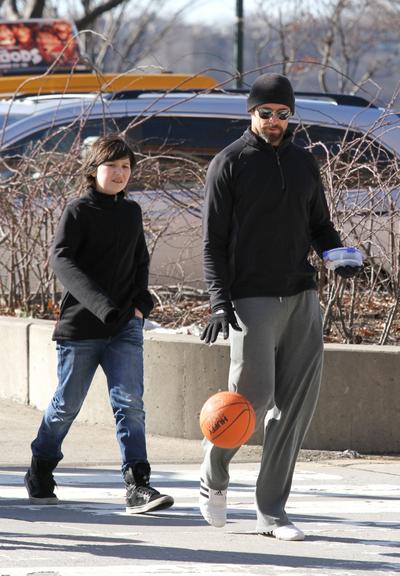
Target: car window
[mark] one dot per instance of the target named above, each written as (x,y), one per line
(202,137)
(353,145)
(199,137)
(195,136)
(62,139)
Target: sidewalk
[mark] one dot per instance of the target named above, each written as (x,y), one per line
(349,509)
(90,445)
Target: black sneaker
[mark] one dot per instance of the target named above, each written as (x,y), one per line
(140,496)
(40,483)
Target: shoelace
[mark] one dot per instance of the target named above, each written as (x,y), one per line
(147,491)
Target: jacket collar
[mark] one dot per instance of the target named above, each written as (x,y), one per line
(104,199)
(257,142)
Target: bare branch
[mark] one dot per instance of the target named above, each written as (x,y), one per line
(90,17)
(37,9)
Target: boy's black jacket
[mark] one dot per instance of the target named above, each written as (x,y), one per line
(100,256)
(265,207)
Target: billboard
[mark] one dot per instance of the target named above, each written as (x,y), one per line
(31,46)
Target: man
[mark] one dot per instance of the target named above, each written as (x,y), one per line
(265,208)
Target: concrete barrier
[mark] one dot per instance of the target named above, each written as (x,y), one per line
(359,405)
(14,355)
(43,377)
(180,374)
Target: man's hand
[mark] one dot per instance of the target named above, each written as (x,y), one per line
(219,320)
(348,271)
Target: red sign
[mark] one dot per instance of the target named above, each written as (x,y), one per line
(31,46)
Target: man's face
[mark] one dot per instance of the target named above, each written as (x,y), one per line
(265,122)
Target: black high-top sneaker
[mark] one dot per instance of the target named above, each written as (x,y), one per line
(140,496)
(40,483)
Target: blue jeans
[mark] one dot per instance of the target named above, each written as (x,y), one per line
(121,358)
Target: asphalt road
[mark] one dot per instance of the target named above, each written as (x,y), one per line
(348,508)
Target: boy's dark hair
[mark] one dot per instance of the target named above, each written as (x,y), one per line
(106,149)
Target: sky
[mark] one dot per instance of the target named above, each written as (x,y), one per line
(212,11)
(224,11)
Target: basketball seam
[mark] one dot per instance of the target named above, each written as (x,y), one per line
(231,424)
(222,406)
(247,427)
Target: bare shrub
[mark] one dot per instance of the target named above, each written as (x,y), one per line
(44,180)
(362,185)
(362,189)
(31,202)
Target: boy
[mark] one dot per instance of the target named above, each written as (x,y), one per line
(100,257)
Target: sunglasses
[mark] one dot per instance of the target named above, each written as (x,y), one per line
(267,113)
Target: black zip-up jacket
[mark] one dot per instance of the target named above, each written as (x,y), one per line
(100,256)
(265,207)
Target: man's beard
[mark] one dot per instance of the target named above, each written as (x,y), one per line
(273,137)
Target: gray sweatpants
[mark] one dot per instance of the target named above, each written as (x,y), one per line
(276,362)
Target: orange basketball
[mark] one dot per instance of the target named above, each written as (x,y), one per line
(227,419)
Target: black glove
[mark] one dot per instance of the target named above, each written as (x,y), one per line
(348,271)
(220,320)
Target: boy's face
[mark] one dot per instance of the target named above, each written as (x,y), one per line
(112,176)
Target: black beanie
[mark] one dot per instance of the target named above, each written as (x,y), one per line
(271,89)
